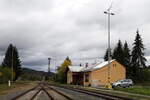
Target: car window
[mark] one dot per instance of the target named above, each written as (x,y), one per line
(129,80)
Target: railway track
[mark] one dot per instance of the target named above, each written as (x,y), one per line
(41,92)
(46,91)
(95,93)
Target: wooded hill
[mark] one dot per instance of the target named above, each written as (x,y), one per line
(30,74)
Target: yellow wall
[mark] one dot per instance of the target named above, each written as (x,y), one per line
(87,83)
(69,77)
(100,76)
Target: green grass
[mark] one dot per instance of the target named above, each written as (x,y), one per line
(144,90)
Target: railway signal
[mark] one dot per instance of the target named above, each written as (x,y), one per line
(49,60)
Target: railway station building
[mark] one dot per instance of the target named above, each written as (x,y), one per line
(97,74)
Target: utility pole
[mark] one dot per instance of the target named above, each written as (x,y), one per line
(49,59)
(12,69)
(109,13)
(12,62)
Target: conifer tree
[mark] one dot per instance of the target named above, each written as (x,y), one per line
(118,53)
(137,60)
(7,62)
(127,57)
(106,55)
(12,59)
(126,52)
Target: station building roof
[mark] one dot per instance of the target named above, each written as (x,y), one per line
(89,68)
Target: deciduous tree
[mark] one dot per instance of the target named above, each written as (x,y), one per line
(62,70)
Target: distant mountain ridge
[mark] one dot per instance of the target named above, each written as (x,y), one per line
(30,74)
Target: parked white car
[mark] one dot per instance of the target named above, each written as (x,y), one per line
(123,83)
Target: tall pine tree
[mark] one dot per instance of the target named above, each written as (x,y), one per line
(137,60)
(118,53)
(127,57)
(12,58)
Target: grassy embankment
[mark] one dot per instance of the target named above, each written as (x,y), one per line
(135,93)
(144,90)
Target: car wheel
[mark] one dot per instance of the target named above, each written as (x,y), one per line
(130,85)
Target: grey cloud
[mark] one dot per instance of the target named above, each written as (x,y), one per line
(75,28)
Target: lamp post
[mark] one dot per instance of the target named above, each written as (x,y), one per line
(109,13)
(12,69)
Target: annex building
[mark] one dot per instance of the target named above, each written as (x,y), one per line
(97,74)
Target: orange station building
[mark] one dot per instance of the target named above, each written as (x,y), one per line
(97,74)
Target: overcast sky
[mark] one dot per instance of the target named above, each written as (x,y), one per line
(74,28)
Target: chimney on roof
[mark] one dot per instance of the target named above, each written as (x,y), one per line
(86,65)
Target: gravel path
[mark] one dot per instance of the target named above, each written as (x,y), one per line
(28,95)
(77,95)
(11,95)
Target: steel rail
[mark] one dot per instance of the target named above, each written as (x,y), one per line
(50,96)
(15,98)
(69,98)
(41,88)
(32,98)
(94,93)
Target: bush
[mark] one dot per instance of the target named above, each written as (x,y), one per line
(5,74)
(145,75)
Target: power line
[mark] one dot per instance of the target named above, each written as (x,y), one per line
(83,58)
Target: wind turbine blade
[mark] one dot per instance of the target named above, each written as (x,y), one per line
(110,6)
